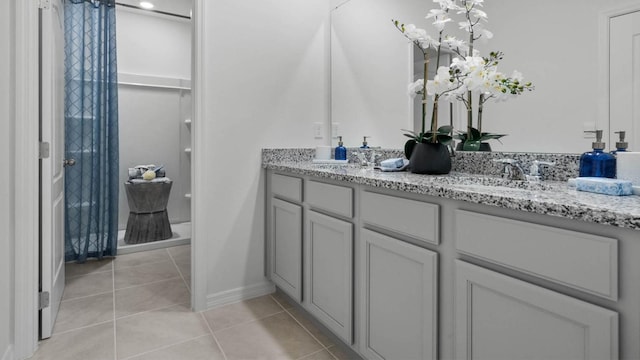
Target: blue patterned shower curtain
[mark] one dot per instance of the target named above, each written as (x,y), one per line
(91,125)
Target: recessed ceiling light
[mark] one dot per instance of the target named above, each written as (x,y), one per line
(146,5)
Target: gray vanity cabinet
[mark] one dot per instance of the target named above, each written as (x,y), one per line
(286,247)
(398,305)
(500,317)
(285,243)
(329,272)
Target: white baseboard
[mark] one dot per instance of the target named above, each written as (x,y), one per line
(8,354)
(242,293)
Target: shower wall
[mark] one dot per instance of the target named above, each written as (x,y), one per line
(154,102)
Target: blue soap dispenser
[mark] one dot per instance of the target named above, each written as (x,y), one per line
(598,163)
(341,151)
(621,145)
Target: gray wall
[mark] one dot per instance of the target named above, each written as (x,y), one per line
(6,182)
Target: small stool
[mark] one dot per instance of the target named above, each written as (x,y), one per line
(148,219)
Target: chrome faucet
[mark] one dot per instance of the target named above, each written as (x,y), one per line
(535,170)
(512,169)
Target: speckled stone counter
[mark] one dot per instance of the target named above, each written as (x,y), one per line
(553,198)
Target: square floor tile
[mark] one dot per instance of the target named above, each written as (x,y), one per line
(96,343)
(202,348)
(340,352)
(274,337)
(303,318)
(142,257)
(83,312)
(320,355)
(144,274)
(180,253)
(152,330)
(241,312)
(86,285)
(152,296)
(283,299)
(88,267)
(184,268)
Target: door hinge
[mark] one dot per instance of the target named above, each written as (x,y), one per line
(44,4)
(43,300)
(44,150)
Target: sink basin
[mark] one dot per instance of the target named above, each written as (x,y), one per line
(495,183)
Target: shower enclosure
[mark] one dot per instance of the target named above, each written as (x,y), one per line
(154,71)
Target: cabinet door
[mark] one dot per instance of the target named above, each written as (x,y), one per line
(286,247)
(399,299)
(499,317)
(329,273)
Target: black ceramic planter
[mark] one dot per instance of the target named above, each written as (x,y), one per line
(430,158)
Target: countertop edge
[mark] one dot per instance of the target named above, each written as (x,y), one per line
(567,210)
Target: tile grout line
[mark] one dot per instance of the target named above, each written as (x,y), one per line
(313,353)
(81,328)
(145,284)
(164,347)
(305,329)
(179,272)
(224,355)
(148,311)
(115,338)
(86,296)
(246,322)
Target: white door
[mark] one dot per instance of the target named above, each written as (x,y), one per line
(52,166)
(624,72)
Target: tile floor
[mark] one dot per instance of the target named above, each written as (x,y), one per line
(136,306)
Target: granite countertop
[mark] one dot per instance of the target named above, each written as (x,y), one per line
(553,198)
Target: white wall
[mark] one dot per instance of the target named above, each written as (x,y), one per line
(555,45)
(265,86)
(150,44)
(6,179)
(154,49)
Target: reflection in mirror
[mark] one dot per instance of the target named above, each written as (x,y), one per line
(371,68)
(555,43)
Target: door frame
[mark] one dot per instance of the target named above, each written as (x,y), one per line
(603,65)
(26,171)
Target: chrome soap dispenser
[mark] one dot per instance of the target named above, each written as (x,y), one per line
(621,145)
(365,145)
(341,151)
(598,163)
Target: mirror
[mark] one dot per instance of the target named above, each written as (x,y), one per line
(553,43)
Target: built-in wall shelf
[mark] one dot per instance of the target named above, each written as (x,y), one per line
(153,81)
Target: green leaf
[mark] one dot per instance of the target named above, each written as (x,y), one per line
(490,136)
(444,139)
(475,135)
(445,129)
(471,145)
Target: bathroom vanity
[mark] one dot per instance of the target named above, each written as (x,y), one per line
(462,266)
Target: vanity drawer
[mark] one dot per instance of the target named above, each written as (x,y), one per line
(416,219)
(332,198)
(578,260)
(287,187)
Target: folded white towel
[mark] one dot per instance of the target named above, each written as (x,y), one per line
(156,180)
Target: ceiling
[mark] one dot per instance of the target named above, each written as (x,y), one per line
(176,7)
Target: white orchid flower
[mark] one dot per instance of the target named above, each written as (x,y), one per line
(447,4)
(441,22)
(479,14)
(416,88)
